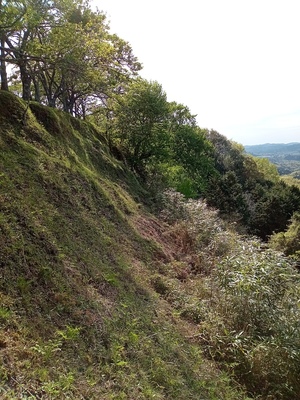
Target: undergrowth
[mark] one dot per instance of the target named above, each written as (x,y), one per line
(242,298)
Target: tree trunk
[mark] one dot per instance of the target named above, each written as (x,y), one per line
(26,82)
(3,72)
(37,93)
(51,101)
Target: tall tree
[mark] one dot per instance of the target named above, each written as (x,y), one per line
(65,54)
(11,13)
(266,168)
(193,152)
(37,16)
(141,124)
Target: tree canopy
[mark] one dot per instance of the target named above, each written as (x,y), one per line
(63,53)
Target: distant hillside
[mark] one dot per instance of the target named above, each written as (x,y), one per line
(285,156)
(269,149)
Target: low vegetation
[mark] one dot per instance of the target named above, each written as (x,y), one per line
(242,297)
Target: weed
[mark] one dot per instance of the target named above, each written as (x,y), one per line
(48,349)
(69,333)
(59,387)
(4,314)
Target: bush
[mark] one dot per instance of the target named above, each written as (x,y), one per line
(259,335)
(243,298)
(289,241)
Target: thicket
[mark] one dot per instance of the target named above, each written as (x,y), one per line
(249,190)
(243,297)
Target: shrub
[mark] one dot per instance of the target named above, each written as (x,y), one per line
(289,241)
(245,306)
(258,304)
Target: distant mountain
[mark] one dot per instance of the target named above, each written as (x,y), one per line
(269,149)
(285,156)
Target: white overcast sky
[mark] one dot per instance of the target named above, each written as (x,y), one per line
(234,63)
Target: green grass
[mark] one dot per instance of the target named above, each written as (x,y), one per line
(79,316)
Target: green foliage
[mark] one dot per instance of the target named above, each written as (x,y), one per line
(64,54)
(192,152)
(260,314)
(289,241)
(4,314)
(274,209)
(159,140)
(243,298)
(267,169)
(248,190)
(176,177)
(60,387)
(140,124)
(292,180)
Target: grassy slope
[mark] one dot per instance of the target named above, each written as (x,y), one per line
(79,314)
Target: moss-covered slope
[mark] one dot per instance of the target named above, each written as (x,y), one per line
(79,316)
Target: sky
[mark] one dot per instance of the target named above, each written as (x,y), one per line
(234,63)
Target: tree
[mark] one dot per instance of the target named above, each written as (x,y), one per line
(157,138)
(193,152)
(274,209)
(141,124)
(11,13)
(36,17)
(87,64)
(65,55)
(266,168)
